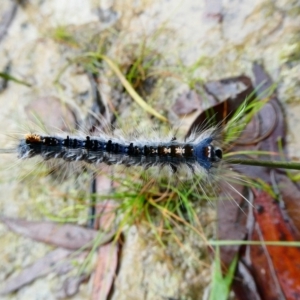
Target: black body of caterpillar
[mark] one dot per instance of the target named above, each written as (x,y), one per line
(94,150)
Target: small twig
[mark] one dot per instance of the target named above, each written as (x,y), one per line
(267,163)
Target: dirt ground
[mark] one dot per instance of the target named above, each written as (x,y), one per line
(192,42)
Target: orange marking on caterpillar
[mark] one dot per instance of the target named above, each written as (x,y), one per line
(32,138)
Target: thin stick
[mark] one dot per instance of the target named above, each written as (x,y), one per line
(267,163)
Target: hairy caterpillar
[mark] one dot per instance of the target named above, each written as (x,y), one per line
(195,162)
(198,153)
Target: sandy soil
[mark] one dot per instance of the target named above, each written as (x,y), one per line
(225,37)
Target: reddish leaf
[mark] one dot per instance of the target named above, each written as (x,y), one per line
(107,262)
(290,193)
(105,271)
(187,103)
(232,218)
(67,236)
(106,214)
(275,268)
